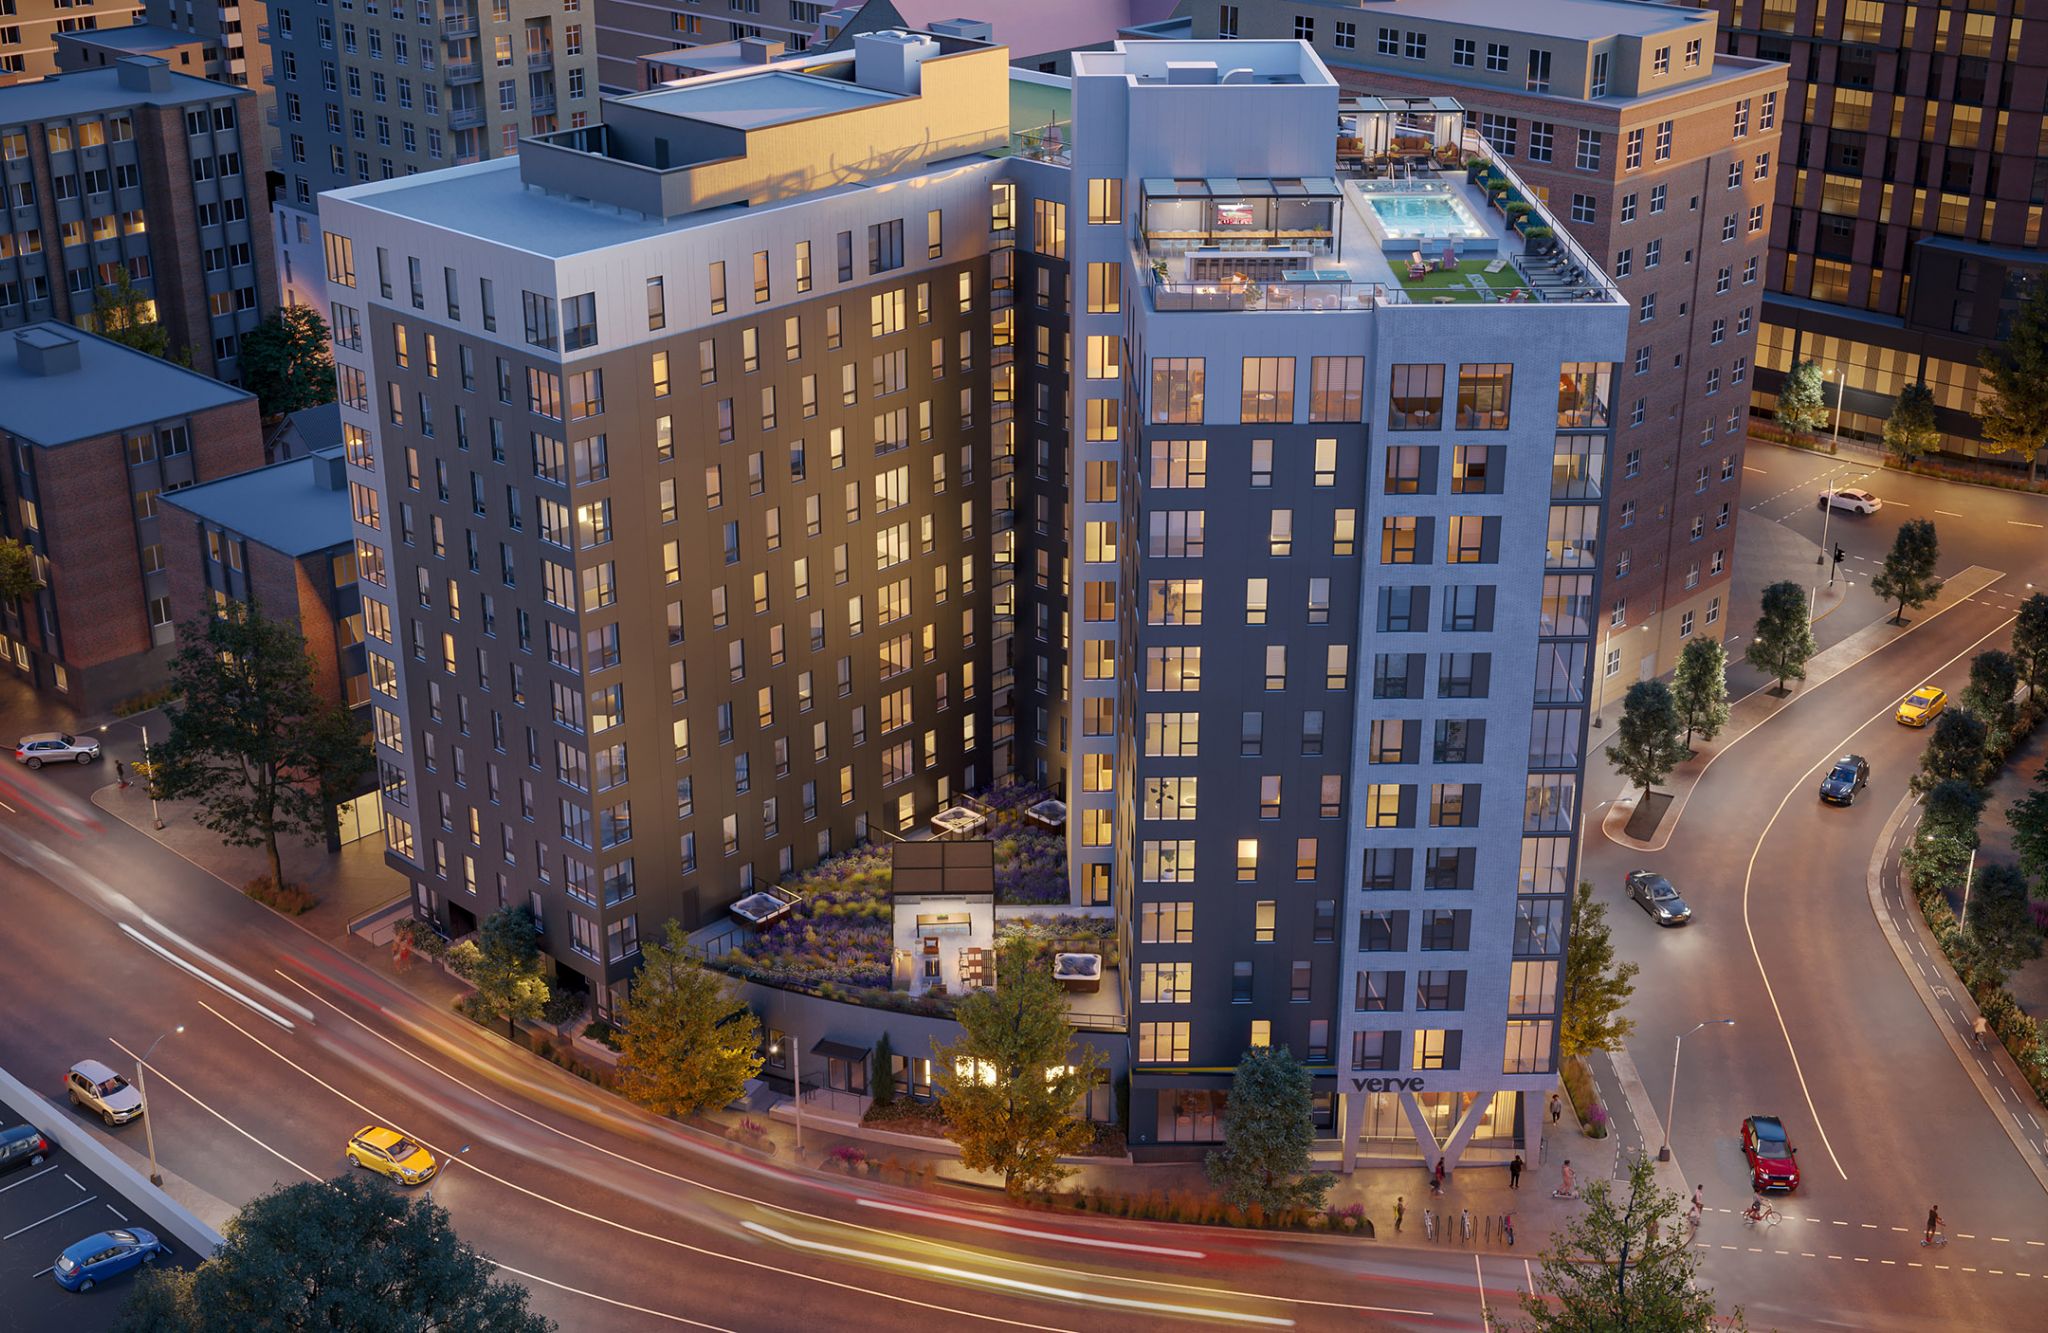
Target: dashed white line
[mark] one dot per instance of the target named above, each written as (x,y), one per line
(51,1218)
(2019,523)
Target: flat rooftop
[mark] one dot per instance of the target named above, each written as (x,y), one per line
(284,506)
(113,388)
(100,89)
(142,37)
(774,97)
(1574,20)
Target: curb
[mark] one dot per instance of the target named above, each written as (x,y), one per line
(181,1222)
(1880,857)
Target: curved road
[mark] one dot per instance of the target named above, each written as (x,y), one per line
(1831,1032)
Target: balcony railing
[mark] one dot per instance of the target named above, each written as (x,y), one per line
(542,103)
(467,71)
(1287,296)
(458,25)
(541,59)
(465,117)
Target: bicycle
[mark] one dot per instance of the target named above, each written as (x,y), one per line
(1935,1241)
(1465,1225)
(1764,1216)
(1428,1224)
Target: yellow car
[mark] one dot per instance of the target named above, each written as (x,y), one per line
(1923,706)
(390,1153)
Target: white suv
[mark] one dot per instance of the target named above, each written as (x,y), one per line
(55,747)
(99,1089)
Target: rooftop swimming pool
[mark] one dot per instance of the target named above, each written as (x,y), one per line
(1409,217)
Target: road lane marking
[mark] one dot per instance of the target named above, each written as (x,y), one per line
(1018,1285)
(26,1179)
(275,997)
(51,1218)
(607,1300)
(935,1216)
(178,1087)
(117,1212)
(455,1159)
(203,975)
(1749,876)
(2018,523)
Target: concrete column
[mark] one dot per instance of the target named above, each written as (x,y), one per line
(1461,1133)
(1425,1138)
(1353,1122)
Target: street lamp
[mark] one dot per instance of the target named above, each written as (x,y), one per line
(155,814)
(1671,1102)
(1969,875)
(796,1063)
(149,1120)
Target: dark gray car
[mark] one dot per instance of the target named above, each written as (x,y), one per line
(1658,898)
(1849,776)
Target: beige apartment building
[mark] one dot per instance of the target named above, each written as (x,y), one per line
(1659,155)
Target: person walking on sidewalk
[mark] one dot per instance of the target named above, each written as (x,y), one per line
(1556,1108)
(1567,1183)
(1515,1173)
(1400,1209)
(121,774)
(1437,1180)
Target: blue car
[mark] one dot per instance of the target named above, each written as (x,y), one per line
(93,1260)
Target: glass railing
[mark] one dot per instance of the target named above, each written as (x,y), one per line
(1288,296)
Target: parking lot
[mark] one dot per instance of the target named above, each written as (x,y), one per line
(45,1208)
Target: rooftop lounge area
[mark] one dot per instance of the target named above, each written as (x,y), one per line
(1417,212)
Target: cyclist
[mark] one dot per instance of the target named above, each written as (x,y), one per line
(1755,1211)
(1977,1031)
(1934,1225)
(1699,1205)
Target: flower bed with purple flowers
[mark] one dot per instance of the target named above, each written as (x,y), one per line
(840,934)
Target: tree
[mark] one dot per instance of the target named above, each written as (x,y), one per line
(2013,404)
(1992,696)
(2030,642)
(285,361)
(506,968)
(687,1042)
(349,1253)
(2001,933)
(1908,574)
(254,743)
(882,1083)
(1646,740)
(1784,635)
(1622,1263)
(18,577)
(1802,399)
(1911,430)
(2029,819)
(1596,988)
(1699,688)
(1954,751)
(121,311)
(1268,1133)
(1012,1081)
(1951,809)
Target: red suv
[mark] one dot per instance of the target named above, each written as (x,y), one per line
(1770,1154)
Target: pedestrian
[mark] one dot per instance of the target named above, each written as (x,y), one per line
(121,773)
(1699,1205)
(1515,1173)
(1933,1225)
(1567,1184)
(1400,1210)
(1439,1175)
(1556,1108)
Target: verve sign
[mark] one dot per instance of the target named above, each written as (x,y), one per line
(1387,1084)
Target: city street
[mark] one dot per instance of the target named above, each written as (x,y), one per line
(614,1219)
(1831,1032)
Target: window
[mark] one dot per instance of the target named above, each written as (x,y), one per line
(1499,132)
(1267,389)
(1347,36)
(1415,398)
(1628,207)
(1304,28)
(1463,52)
(1105,201)
(1585,208)
(1664,140)
(1632,151)
(1497,59)
(885,246)
(1163,1043)
(1589,150)
(1336,388)
(1542,136)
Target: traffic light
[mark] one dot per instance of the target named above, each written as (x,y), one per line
(1840,554)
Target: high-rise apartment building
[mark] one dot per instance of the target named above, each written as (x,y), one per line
(1335,546)
(139,171)
(1659,156)
(713,511)
(380,90)
(29,30)
(685,534)
(1908,225)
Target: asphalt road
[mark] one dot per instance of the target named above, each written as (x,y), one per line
(1831,1032)
(616,1220)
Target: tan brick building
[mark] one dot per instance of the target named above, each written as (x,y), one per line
(1660,157)
(95,434)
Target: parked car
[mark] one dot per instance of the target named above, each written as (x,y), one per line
(1852,500)
(56,747)
(1923,706)
(100,1090)
(390,1153)
(1770,1153)
(105,1254)
(1658,898)
(23,1145)
(1850,775)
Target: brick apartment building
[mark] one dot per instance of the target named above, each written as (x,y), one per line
(140,169)
(1658,155)
(1908,226)
(95,434)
